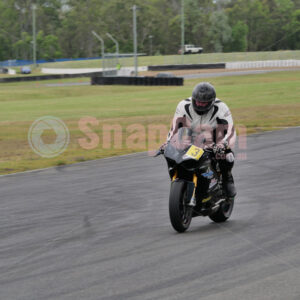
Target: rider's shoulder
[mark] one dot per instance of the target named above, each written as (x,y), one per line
(184,102)
(220,104)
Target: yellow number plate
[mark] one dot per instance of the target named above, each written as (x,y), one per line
(195,152)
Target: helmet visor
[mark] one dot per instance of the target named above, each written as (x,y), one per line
(202,104)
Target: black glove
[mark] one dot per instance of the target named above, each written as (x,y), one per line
(220,150)
(163,147)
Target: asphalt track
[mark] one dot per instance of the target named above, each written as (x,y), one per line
(100,230)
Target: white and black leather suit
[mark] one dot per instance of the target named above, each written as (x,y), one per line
(217,123)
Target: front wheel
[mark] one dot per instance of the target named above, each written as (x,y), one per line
(180,213)
(223,212)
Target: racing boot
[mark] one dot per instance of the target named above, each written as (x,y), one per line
(228,184)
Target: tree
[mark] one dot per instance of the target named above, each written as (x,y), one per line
(279,16)
(293,31)
(197,19)
(9,28)
(47,46)
(23,47)
(4,47)
(238,42)
(216,25)
(220,30)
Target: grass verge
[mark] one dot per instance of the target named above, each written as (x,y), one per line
(258,102)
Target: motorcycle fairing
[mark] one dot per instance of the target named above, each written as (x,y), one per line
(194,152)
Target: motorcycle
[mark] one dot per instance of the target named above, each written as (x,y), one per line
(196,180)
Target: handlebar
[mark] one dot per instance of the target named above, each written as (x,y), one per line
(211,149)
(159,152)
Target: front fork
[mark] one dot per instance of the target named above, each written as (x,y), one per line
(191,189)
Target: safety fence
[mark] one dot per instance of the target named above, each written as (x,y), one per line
(263,64)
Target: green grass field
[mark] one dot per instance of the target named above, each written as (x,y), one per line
(188,59)
(259,102)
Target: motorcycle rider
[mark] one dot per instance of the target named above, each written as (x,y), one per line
(203,112)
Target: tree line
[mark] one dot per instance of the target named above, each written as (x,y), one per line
(64,26)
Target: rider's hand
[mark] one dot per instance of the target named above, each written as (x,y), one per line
(163,147)
(222,146)
(208,146)
(220,149)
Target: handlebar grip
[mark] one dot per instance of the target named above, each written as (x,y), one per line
(159,152)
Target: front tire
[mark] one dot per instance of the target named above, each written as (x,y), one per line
(223,212)
(180,214)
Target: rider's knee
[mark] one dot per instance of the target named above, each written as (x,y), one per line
(230,157)
(227,163)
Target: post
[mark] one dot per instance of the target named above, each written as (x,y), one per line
(135,41)
(34,33)
(150,38)
(182,31)
(117,45)
(102,48)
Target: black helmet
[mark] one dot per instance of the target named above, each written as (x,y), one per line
(203,97)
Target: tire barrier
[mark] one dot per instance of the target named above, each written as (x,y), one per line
(47,77)
(96,80)
(186,67)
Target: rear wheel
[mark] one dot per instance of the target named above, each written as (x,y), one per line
(223,212)
(180,214)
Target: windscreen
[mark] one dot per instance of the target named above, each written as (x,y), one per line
(185,137)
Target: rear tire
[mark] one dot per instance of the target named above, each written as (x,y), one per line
(180,214)
(223,212)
